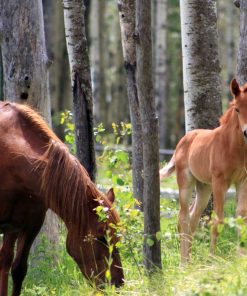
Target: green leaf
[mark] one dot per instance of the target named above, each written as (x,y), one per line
(120,182)
(108,174)
(158,235)
(150,242)
(108,275)
(220,227)
(122,156)
(98,138)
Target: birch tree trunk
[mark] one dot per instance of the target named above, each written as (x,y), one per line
(81,83)
(97,54)
(118,107)
(87,4)
(59,78)
(161,73)
(25,68)
(151,194)
(201,69)
(127,25)
(242,49)
(230,44)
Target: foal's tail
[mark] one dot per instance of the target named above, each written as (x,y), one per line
(168,169)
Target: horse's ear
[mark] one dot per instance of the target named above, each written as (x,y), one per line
(110,195)
(235,89)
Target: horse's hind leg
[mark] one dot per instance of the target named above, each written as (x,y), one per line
(203,192)
(186,184)
(24,243)
(6,258)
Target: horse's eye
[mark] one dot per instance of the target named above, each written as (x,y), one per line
(237,110)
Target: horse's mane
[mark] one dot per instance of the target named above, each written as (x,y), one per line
(66,185)
(35,119)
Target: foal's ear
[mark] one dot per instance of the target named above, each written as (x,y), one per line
(235,89)
(110,195)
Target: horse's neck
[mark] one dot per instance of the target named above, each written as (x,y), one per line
(232,131)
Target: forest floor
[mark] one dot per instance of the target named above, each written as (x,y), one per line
(222,274)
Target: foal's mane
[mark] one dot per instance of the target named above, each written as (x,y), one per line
(66,185)
(229,115)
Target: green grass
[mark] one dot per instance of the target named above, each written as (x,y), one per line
(222,274)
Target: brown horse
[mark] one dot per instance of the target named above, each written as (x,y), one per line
(37,173)
(210,161)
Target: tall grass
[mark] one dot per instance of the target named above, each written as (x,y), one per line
(221,274)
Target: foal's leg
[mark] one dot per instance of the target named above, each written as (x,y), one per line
(6,258)
(24,243)
(219,191)
(186,184)
(203,192)
(242,208)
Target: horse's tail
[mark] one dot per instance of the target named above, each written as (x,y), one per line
(167,170)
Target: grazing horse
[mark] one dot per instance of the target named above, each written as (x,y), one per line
(38,173)
(210,161)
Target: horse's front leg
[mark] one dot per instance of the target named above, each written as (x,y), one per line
(24,243)
(219,190)
(241,210)
(6,258)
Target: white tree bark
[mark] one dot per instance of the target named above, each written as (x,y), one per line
(242,49)
(81,83)
(161,73)
(202,87)
(97,58)
(230,43)
(25,66)
(59,75)
(127,25)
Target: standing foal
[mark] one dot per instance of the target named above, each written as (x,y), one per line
(210,161)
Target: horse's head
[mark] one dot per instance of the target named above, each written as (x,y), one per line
(98,257)
(240,104)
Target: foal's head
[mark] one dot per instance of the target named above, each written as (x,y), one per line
(98,256)
(240,105)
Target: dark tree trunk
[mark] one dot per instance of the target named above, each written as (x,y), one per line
(144,79)
(127,24)
(81,83)
(25,67)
